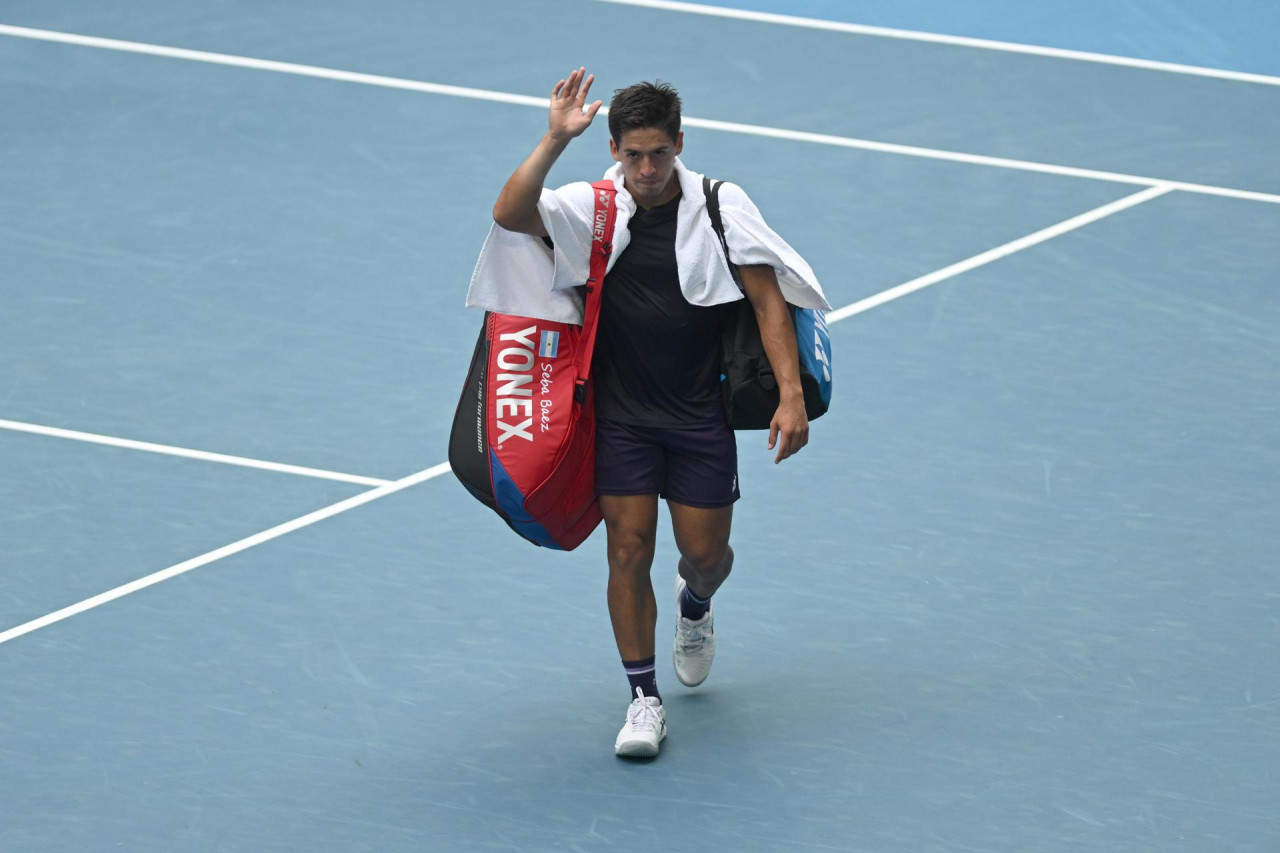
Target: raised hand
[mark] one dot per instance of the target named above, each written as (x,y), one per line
(568,101)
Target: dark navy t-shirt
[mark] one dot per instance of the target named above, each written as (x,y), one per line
(657,358)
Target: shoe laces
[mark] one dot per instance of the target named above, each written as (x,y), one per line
(643,713)
(693,635)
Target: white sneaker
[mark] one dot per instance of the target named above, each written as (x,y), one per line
(695,645)
(644,729)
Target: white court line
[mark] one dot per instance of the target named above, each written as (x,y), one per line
(999,252)
(225,551)
(202,455)
(541,103)
(271,65)
(977,159)
(435,471)
(958,41)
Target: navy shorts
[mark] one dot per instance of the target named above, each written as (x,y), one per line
(696,466)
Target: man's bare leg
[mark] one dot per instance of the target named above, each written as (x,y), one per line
(702,536)
(631,523)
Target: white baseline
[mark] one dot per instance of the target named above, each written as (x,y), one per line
(937,38)
(541,103)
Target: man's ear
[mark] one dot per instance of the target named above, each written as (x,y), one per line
(679,142)
(613,150)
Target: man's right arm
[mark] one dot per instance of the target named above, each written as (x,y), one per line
(517,206)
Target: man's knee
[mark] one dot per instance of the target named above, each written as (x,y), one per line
(702,535)
(631,523)
(712,559)
(630,551)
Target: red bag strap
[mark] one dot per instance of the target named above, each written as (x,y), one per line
(601,247)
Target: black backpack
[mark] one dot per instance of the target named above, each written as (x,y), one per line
(748,384)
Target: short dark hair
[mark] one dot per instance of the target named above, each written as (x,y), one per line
(645,105)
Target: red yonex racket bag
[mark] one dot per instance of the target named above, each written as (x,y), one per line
(523,437)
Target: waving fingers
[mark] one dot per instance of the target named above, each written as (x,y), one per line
(569,90)
(586,86)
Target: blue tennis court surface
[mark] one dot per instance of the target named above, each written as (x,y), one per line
(1018,594)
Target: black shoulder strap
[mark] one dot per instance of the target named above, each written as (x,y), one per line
(712,192)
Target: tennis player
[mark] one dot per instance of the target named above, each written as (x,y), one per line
(661,429)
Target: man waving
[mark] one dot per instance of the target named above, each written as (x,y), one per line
(661,428)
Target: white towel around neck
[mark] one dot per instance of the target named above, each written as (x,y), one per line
(518,274)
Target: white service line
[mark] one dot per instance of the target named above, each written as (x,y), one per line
(202,455)
(709,124)
(225,551)
(937,38)
(999,252)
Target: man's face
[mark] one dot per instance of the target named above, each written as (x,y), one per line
(648,158)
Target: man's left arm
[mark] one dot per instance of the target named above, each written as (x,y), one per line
(789,429)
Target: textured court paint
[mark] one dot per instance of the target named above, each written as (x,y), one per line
(984,668)
(940,38)
(1033,613)
(689,121)
(1237,35)
(295,314)
(1028,108)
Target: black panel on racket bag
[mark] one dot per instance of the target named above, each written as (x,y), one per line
(468,442)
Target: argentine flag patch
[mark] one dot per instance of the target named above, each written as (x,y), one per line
(550,345)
